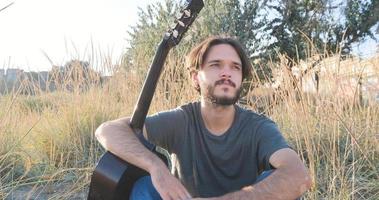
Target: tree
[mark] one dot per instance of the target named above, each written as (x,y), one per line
(75,75)
(361,16)
(217,17)
(268,28)
(299,22)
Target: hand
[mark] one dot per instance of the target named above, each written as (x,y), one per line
(169,187)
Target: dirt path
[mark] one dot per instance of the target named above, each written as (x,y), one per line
(59,191)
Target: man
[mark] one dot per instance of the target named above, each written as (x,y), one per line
(219,148)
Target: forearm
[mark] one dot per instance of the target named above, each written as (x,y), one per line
(284,183)
(118,138)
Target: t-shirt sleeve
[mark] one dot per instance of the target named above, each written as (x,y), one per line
(165,129)
(269,140)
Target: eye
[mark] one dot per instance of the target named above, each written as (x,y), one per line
(237,67)
(214,65)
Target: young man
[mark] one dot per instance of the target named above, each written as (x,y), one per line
(219,148)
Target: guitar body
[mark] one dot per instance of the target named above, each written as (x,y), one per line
(113,178)
(116,177)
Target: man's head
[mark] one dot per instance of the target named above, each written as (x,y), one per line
(217,67)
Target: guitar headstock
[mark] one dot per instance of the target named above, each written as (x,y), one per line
(189,12)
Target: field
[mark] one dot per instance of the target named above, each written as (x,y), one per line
(48,149)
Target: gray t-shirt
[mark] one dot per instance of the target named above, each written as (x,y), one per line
(210,165)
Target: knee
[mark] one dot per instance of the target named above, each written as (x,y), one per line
(143,189)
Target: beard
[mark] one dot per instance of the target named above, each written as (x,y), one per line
(222,100)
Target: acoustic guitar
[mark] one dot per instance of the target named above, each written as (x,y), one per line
(113,178)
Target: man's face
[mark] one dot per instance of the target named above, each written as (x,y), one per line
(220,76)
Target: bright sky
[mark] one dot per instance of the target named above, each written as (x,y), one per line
(66,29)
(63,29)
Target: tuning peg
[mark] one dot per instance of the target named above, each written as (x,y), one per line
(175,33)
(187,13)
(177,21)
(180,23)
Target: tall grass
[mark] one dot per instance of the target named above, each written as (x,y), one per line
(48,150)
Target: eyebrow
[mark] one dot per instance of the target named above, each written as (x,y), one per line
(218,61)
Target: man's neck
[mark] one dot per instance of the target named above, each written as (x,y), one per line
(217,118)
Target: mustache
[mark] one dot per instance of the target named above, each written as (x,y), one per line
(225,81)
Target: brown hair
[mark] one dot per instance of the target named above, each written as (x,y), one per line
(199,53)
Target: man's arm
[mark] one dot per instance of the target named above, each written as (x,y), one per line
(288,182)
(118,137)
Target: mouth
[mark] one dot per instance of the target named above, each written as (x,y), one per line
(225,82)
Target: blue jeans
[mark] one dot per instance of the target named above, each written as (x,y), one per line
(143,188)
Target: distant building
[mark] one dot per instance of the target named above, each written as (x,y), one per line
(2,74)
(43,76)
(13,74)
(352,78)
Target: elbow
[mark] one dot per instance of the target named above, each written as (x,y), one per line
(100,132)
(110,132)
(301,179)
(306,182)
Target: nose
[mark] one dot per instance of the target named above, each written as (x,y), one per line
(226,72)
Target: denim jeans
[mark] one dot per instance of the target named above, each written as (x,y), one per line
(143,188)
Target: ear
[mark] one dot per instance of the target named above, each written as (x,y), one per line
(194,77)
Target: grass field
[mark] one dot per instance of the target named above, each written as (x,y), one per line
(48,149)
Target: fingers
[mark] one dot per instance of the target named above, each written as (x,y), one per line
(182,193)
(176,192)
(174,197)
(168,187)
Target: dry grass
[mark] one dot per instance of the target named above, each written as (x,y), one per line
(48,150)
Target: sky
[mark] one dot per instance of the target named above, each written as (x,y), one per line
(31,31)
(36,34)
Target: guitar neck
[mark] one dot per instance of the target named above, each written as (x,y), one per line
(144,100)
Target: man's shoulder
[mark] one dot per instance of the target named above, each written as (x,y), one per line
(181,108)
(189,107)
(185,111)
(252,117)
(259,124)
